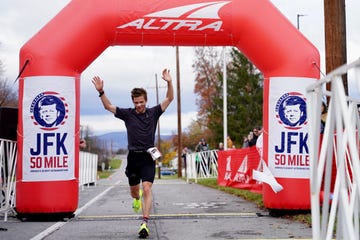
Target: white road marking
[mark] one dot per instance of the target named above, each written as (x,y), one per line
(58,225)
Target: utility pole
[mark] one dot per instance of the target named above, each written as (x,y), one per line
(298,20)
(158,162)
(158,126)
(157,102)
(335,37)
(178,111)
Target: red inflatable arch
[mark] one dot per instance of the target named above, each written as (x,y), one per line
(48,146)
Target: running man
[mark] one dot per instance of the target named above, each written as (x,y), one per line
(140,123)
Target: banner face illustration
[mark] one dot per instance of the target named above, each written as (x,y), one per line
(49,117)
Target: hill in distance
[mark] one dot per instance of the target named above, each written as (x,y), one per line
(118,140)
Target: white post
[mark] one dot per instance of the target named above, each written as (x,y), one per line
(225,99)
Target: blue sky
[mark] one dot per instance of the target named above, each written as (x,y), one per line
(124,67)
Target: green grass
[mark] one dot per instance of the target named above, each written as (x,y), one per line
(114,164)
(300,216)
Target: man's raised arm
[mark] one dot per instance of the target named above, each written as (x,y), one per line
(99,86)
(170,90)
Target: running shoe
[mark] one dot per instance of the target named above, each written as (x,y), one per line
(137,202)
(143,231)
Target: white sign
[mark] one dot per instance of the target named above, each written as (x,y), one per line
(48,117)
(288,127)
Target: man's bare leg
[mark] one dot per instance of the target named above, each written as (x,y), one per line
(134,191)
(147,199)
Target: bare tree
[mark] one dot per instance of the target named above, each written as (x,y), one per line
(207,67)
(8,96)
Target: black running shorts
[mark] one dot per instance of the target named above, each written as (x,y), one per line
(140,167)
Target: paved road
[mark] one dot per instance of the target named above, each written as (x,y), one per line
(181,211)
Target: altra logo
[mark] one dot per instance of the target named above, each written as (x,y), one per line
(193,17)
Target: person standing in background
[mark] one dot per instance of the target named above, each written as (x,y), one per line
(229,142)
(253,136)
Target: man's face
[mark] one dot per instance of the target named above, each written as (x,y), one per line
(48,113)
(140,104)
(293,113)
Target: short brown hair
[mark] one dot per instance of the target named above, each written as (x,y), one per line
(138,92)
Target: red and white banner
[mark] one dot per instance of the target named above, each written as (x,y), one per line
(235,168)
(49,117)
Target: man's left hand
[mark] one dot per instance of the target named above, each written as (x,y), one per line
(166,75)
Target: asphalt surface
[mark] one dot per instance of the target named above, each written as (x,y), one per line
(180,211)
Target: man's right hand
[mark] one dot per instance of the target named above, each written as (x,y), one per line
(98,83)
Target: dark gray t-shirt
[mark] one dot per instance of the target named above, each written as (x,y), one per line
(140,127)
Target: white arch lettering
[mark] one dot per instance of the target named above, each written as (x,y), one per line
(215,25)
(138,24)
(172,24)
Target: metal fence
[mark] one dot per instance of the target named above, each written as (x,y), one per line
(334,161)
(88,169)
(202,165)
(8,154)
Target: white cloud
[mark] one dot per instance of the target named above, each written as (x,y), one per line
(19,21)
(168,122)
(126,67)
(100,124)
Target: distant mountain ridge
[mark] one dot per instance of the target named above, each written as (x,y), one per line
(118,140)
